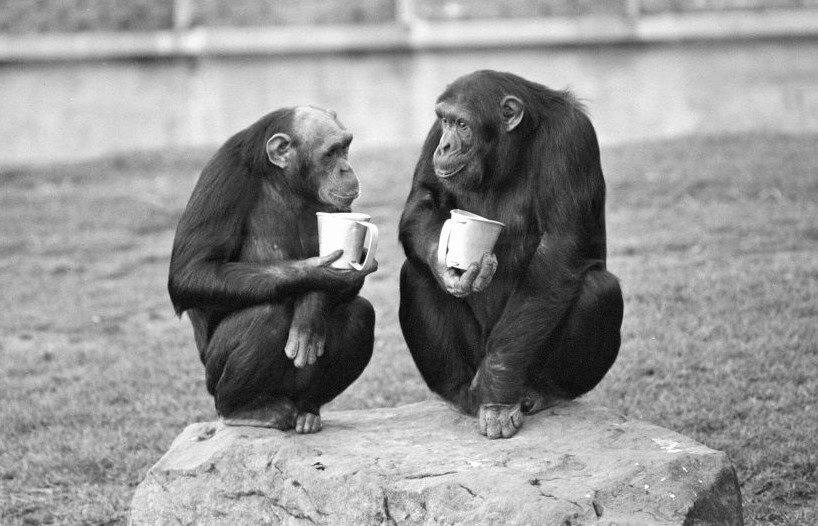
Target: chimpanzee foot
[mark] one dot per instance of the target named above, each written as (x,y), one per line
(279,413)
(532,402)
(307,423)
(500,420)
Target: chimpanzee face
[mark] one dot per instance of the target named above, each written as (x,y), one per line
(458,147)
(469,132)
(317,157)
(326,145)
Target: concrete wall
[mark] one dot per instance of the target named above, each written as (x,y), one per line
(179,90)
(70,111)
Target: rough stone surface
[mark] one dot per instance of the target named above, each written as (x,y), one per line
(426,464)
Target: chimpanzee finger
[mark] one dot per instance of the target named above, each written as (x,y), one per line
(461,286)
(490,260)
(518,418)
(320,347)
(493,427)
(488,264)
(511,421)
(303,348)
(371,267)
(507,430)
(475,381)
(307,423)
(300,421)
(312,352)
(451,279)
(316,424)
(325,261)
(291,347)
(489,414)
(469,276)
(309,355)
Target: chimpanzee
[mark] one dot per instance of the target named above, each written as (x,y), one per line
(538,320)
(279,330)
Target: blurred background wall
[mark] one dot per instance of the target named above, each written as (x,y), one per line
(86,78)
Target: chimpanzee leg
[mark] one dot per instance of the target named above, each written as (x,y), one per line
(443,336)
(247,372)
(579,354)
(348,348)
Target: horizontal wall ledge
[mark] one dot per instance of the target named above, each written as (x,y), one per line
(416,35)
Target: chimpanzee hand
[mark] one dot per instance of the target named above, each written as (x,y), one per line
(476,278)
(335,277)
(323,261)
(307,337)
(500,420)
(305,343)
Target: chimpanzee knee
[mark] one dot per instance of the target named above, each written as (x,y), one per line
(245,362)
(588,343)
(350,339)
(355,331)
(441,333)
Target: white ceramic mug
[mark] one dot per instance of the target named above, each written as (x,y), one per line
(465,237)
(350,232)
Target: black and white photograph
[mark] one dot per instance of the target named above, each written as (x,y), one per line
(409,262)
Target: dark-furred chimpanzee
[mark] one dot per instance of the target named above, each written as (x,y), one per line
(280,331)
(539,319)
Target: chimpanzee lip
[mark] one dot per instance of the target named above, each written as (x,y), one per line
(443,174)
(356,195)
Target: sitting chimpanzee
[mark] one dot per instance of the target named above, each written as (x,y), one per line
(539,319)
(280,331)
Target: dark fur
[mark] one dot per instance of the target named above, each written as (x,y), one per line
(236,269)
(550,319)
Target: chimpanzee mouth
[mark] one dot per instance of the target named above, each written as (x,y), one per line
(347,197)
(443,173)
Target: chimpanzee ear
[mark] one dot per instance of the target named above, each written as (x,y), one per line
(278,149)
(513,110)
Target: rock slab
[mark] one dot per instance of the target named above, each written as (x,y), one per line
(424,463)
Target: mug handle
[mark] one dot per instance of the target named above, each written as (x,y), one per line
(443,244)
(371,248)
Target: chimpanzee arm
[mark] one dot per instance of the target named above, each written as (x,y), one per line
(424,213)
(420,227)
(307,337)
(534,310)
(226,286)
(570,197)
(205,271)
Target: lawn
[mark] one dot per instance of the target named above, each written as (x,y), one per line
(715,241)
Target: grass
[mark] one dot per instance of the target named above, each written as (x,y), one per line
(715,241)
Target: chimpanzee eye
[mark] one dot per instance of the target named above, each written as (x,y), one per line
(444,120)
(461,123)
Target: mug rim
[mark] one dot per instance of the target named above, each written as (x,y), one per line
(474,217)
(351,216)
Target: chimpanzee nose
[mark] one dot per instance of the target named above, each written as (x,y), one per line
(443,148)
